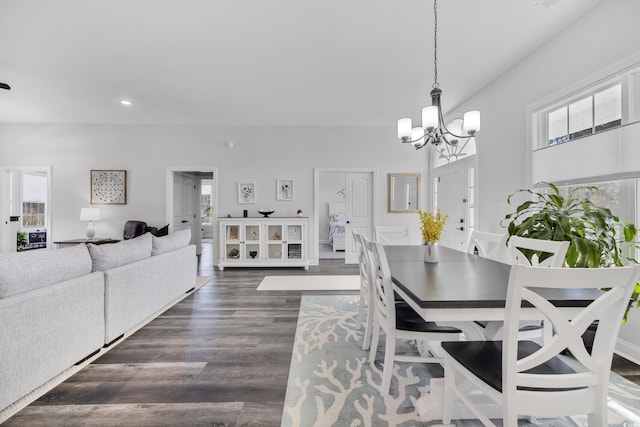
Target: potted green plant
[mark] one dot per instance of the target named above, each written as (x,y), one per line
(597,237)
(21,240)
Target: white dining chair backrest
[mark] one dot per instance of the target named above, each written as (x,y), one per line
(364,309)
(488,245)
(381,285)
(392,235)
(558,251)
(608,310)
(526,378)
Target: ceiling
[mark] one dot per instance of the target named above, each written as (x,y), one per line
(258,62)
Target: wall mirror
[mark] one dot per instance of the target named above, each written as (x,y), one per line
(403,192)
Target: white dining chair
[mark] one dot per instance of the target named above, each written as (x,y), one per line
(398,320)
(556,251)
(392,235)
(365,300)
(526,378)
(488,245)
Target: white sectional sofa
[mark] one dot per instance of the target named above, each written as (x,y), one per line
(59,307)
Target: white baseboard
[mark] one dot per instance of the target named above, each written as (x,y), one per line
(628,351)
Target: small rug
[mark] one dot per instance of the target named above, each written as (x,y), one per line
(310,283)
(202,280)
(331,382)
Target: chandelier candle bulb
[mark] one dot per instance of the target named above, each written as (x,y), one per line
(430,117)
(404,128)
(472,122)
(417,133)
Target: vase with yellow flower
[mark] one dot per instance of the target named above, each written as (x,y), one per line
(431,226)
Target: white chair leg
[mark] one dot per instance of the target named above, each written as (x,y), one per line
(599,415)
(366,342)
(387,368)
(449,384)
(375,336)
(361,309)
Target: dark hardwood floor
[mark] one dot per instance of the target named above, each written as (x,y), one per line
(220,357)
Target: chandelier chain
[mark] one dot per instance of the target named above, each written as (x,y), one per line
(435,45)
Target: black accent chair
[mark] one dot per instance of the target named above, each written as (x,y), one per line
(138,228)
(134,229)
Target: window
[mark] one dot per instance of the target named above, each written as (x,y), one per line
(600,110)
(580,118)
(436,180)
(206,209)
(34,197)
(33,215)
(608,108)
(620,197)
(557,124)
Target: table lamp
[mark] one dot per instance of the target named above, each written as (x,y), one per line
(90,214)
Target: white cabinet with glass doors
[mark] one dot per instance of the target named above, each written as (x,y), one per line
(263,242)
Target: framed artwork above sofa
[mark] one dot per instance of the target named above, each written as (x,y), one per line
(108,187)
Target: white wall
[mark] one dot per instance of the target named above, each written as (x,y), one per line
(604,36)
(260,155)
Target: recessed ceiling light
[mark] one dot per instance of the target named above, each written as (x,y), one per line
(126,102)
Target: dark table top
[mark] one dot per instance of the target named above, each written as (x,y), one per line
(461,280)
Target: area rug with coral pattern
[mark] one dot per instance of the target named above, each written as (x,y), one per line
(331,382)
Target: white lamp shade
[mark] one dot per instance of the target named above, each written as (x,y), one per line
(404,128)
(89,214)
(430,117)
(471,122)
(417,133)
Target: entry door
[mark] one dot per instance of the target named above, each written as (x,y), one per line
(452,200)
(358,210)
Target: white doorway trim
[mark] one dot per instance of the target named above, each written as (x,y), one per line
(4,201)
(168,186)
(170,171)
(315,252)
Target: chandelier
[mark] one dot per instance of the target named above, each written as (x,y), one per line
(433,130)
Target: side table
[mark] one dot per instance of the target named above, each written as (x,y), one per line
(96,241)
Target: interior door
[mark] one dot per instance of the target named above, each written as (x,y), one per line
(358,210)
(451,198)
(183,202)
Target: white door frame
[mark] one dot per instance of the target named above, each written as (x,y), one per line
(4,199)
(463,166)
(314,249)
(170,171)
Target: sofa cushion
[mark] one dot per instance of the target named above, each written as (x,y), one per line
(175,240)
(22,272)
(107,256)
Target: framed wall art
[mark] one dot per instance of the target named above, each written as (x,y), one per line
(284,189)
(108,187)
(247,192)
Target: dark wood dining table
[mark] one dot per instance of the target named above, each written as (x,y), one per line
(464,291)
(463,288)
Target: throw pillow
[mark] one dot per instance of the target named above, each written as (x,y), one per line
(175,240)
(162,231)
(105,257)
